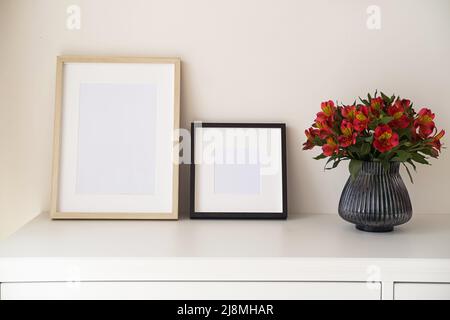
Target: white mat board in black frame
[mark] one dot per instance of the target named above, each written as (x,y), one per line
(240,190)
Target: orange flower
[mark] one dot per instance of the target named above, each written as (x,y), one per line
(330,147)
(425,122)
(397,111)
(376,106)
(349,112)
(361,119)
(384,138)
(324,126)
(436,143)
(328,108)
(311,133)
(348,137)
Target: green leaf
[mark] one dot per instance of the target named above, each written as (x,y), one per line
(317,141)
(403,155)
(392,99)
(373,125)
(365,149)
(328,161)
(385,98)
(386,120)
(409,173)
(419,158)
(405,133)
(335,164)
(428,152)
(385,164)
(354,148)
(364,101)
(412,164)
(320,156)
(355,167)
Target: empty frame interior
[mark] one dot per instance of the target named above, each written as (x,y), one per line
(114,137)
(239,171)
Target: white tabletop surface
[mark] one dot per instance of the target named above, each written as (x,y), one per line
(426,236)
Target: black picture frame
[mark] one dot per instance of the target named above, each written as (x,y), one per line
(239,215)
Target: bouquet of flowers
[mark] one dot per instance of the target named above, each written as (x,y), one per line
(380,128)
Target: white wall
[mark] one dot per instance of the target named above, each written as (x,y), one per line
(243,60)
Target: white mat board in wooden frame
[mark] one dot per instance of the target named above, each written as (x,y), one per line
(114,132)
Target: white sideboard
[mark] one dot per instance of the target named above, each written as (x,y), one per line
(304,257)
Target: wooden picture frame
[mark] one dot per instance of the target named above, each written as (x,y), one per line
(91,80)
(220,202)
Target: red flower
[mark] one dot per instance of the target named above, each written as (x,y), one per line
(327,113)
(436,143)
(376,106)
(349,112)
(361,119)
(414,136)
(397,111)
(406,104)
(347,138)
(324,128)
(311,133)
(325,118)
(347,141)
(321,117)
(328,108)
(330,147)
(384,138)
(346,128)
(425,122)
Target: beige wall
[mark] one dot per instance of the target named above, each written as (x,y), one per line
(243,60)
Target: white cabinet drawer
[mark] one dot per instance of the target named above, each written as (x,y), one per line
(191,290)
(422,291)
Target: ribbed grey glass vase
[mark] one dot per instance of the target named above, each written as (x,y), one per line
(377,199)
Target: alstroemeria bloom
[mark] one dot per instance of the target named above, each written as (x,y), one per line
(327,113)
(425,122)
(376,105)
(361,119)
(414,136)
(311,133)
(328,108)
(348,137)
(330,147)
(436,143)
(384,138)
(397,111)
(324,126)
(349,112)
(405,103)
